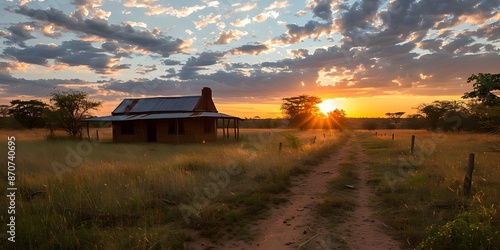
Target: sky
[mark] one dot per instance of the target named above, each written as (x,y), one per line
(369,57)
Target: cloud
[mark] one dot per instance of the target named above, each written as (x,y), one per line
(243,8)
(19,33)
(157,9)
(4,33)
(300,53)
(24,88)
(249,49)
(277,5)
(38,54)
(490,32)
(195,64)
(49,30)
(184,12)
(230,35)
(431,44)
(171,62)
(458,43)
(6,67)
(135,24)
(322,9)
(300,13)
(206,20)
(146,69)
(139,3)
(296,33)
(241,22)
(72,53)
(264,16)
(100,63)
(145,40)
(359,15)
(89,8)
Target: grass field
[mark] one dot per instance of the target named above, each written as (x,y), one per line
(417,191)
(79,194)
(101,195)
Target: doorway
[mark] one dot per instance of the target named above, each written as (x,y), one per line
(151,131)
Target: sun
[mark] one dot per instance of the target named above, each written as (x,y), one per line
(327,106)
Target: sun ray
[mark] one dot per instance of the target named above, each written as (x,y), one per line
(327,106)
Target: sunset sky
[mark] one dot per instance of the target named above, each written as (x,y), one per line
(371,57)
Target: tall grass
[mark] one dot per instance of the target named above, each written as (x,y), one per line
(144,196)
(423,192)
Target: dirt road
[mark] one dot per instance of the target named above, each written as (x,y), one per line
(295,225)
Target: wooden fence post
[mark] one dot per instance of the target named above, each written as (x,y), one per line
(412,150)
(279,147)
(468,175)
(97,134)
(393,137)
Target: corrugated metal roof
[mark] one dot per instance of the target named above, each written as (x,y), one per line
(119,118)
(157,104)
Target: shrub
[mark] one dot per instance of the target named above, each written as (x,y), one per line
(292,141)
(370,125)
(465,232)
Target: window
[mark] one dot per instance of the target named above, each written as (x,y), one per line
(209,126)
(127,128)
(172,126)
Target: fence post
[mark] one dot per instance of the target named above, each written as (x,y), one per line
(279,147)
(468,175)
(412,144)
(393,137)
(97,134)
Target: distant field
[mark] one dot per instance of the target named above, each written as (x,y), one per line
(103,195)
(424,189)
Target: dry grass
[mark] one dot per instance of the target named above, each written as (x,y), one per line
(417,191)
(118,196)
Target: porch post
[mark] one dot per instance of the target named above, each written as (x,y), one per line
(238,127)
(234,125)
(228,121)
(177,129)
(88,130)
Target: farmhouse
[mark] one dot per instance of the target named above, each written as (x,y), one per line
(169,119)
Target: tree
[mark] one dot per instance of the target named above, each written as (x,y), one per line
(301,110)
(337,119)
(485,100)
(485,86)
(4,111)
(70,108)
(396,117)
(434,112)
(415,121)
(447,115)
(28,113)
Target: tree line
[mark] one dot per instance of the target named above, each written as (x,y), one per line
(479,111)
(66,111)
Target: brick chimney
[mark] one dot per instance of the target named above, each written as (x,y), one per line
(206,93)
(206,103)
